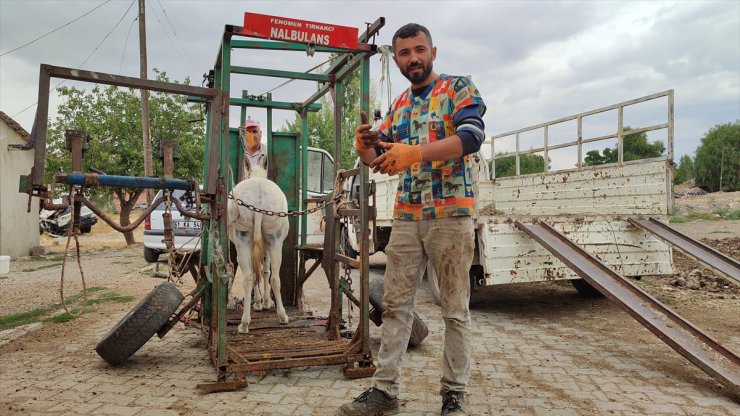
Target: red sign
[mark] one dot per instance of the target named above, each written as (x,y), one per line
(301,31)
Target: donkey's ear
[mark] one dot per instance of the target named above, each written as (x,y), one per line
(247,166)
(263,161)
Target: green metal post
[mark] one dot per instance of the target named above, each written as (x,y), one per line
(304,174)
(333,228)
(364,197)
(219,280)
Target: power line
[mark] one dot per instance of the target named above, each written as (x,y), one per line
(60,27)
(86,59)
(187,53)
(126,44)
(164,29)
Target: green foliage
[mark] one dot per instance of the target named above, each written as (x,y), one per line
(719,154)
(636,147)
(527,164)
(111,118)
(321,123)
(684,170)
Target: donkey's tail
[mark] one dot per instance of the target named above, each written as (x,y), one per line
(258,247)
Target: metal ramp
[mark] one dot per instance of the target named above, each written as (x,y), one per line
(678,333)
(685,244)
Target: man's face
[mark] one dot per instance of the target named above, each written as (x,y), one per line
(256,135)
(414,57)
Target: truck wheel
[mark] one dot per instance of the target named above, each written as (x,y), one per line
(140,324)
(151,255)
(431,277)
(419,330)
(585,289)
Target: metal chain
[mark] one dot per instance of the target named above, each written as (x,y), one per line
(338,186)
(348,279)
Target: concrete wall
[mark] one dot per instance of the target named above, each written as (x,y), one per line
(19,230)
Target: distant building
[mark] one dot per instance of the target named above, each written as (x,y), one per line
(19,230)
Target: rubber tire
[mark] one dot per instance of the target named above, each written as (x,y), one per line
(431,277)
(585,289)
(151,255)
(140,324)
(419,330)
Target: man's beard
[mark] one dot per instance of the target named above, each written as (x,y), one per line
(418,77)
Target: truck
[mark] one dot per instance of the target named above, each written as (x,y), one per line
(589,203)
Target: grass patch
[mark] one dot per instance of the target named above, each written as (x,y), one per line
(703,215)
(667,300)
(732,215)
(720,232)
(23,318)
(75,303)
(48,266)
(678,219)
(57,257)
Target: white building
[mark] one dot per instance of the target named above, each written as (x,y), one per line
(19,230)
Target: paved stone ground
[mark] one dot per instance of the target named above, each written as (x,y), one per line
(542,350)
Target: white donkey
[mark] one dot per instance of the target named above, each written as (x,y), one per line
(251,231)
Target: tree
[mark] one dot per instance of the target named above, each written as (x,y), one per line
(528,163)
(321,123)
(684,170)
(636,147)
(111,117)
(718,157)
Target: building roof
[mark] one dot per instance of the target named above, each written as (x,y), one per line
(15,126)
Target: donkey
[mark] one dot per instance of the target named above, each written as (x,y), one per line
(257,237)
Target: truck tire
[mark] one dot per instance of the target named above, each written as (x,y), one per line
(140,324)
(151,255)
(585,289)
(419,330)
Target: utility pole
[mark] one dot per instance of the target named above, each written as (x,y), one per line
(145,127)
(721,169)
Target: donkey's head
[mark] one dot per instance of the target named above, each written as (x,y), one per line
(259,170)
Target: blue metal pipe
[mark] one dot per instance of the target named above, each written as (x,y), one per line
(93,179)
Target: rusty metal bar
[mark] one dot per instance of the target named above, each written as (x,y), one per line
(122,81)
(685,244)
(346,173)
(124,229)
(697,347)
(185,309)
(288,363)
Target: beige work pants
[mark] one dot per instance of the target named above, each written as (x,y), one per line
(449,244)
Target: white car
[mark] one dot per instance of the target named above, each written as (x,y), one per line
(187,231)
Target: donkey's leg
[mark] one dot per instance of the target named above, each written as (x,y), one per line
(267,302)
(244,253)
(276,257)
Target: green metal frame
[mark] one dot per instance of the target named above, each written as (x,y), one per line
(288,148)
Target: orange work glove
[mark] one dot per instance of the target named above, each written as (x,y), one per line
(397,158)
(364,137)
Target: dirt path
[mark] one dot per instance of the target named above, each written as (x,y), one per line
(538,348)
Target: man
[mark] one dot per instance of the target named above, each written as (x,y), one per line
(427,136)
(250,135)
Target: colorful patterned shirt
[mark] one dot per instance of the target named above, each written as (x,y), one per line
(432,189)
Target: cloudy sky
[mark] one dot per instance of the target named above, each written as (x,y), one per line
(532,61)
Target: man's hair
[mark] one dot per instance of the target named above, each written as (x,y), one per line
(410,30)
